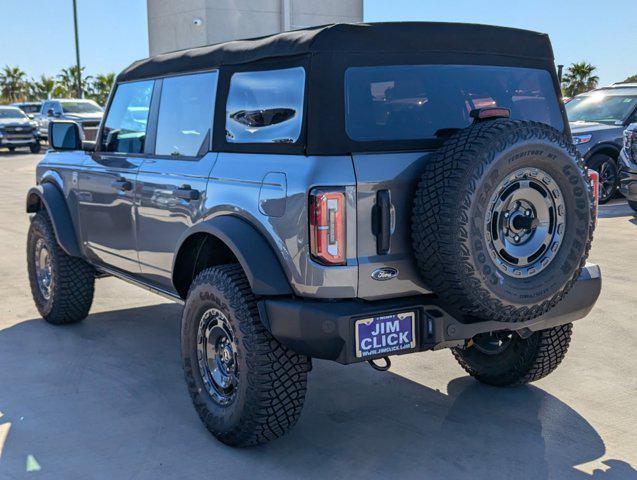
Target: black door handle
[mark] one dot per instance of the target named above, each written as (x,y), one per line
(185,192)
(381,222)
(122,184)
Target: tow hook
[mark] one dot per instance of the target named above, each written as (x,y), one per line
(380,368)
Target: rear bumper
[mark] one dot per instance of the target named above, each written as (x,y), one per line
(325,330)
(627,177)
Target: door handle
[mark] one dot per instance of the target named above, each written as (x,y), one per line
(185,192)
(381,222)
(122,184)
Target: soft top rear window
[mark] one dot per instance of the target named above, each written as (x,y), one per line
(411,102)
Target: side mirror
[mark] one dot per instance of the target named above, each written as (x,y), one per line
(50,112)
(65,135)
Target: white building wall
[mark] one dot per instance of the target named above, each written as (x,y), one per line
(178,24)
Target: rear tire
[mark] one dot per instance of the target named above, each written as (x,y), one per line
(35,147)
(62,286)
(247,388)
(518,362)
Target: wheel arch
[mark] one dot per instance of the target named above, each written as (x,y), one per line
(48,196)
(606,148)
(228,239)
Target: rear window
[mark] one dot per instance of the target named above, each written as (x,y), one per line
(411,102)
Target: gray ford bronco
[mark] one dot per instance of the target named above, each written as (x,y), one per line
(345,192)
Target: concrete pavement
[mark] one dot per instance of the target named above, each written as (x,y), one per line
(106,399)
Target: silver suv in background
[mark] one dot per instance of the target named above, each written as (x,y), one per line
(86,113)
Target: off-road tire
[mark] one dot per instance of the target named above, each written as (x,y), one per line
(35,147)
(272,379)
(524,361)
(450,204)
(73,279)
(632,205)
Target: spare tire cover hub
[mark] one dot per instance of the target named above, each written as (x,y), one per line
(525,222)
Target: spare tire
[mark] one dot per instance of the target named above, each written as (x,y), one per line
(503,220)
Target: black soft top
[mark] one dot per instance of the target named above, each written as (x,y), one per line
(374,38)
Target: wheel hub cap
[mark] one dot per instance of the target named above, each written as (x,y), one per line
(524,223)
(217,356)
(43,270)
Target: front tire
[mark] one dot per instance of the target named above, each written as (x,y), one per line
(35,147)
(247,388)
(504,359)
(62,286)
(608,176)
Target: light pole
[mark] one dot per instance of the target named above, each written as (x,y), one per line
(77,53)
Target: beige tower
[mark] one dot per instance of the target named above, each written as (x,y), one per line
(179,24)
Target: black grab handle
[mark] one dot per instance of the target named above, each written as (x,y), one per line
(381,222)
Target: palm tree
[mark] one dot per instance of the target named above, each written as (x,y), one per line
(12,83)
(579,78)
(41,89)
(67,80)
(631,79)
(100,87)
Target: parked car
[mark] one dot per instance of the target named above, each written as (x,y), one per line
(347,192)
(17,130)
(598,119)
(30,108)
(628,167)
(86,113)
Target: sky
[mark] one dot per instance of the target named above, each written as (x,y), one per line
(37,35)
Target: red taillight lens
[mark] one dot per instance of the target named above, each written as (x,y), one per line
(594,177)
(327,226)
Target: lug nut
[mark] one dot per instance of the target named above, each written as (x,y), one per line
(516,238)
(527,213)
(506,214)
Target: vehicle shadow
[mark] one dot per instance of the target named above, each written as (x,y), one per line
(106,399)
(616,209)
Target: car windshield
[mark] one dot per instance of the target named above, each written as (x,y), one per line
(30,108)
(12,113)
(602,107)
(80,107)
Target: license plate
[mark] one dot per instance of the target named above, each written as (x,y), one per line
(385,334)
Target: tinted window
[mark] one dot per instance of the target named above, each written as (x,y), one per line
(408,102)
(265,107)
(85,106)
(125,125)
(185,114)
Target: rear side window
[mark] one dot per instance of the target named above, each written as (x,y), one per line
(127,118)
(184,125)
(410,102)
(265,106)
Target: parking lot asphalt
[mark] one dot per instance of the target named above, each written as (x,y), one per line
(106,398)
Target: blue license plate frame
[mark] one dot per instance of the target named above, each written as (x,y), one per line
(385,334)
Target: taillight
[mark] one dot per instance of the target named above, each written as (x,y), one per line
(594,178)
(327,226)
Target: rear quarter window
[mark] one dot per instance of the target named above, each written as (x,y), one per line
(410,102)
(265,106)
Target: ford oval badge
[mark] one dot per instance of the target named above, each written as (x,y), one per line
(383,274)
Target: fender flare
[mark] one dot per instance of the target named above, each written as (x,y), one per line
(50,197)
(259,262)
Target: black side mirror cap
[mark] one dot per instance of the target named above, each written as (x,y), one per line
(50,112)
(65,135)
